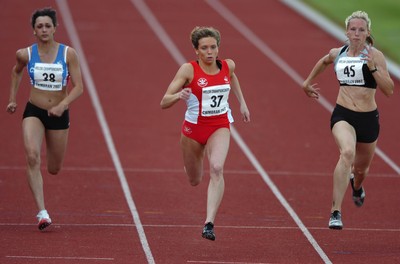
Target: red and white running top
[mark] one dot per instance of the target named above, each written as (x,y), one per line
(208,102)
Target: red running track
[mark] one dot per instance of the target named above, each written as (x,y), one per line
(128,68)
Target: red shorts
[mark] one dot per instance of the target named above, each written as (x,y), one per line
(201,133)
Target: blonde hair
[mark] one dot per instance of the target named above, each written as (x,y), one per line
(361,15)
(204,32)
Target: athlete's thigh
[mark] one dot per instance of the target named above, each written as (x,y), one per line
(192,151)
(193,156)
(344,135)
(32,133)
(218,146)
(56,142)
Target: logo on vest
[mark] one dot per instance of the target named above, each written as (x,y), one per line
(202,82)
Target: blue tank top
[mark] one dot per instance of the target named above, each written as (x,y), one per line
(48,76)
(353,71)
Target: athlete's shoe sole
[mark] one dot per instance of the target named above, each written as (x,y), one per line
(44,223)
(208,231)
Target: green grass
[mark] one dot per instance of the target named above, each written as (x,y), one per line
(384,15)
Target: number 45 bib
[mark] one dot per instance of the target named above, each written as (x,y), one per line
(349,71)
(215,100)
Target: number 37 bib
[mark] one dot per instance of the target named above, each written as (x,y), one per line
(215,100)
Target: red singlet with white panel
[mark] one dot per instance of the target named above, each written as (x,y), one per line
(208,103)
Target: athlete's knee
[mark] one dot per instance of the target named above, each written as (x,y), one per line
(216,168)
(348,154)
(54,169)
(194,177)
(33,158)
(194,182)
(361,171)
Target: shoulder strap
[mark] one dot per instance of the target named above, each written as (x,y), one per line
(343,49)
(33,52)
(29,53)
(65,53)
(219,64)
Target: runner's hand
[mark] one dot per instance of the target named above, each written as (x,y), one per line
(185,94)
(12,107)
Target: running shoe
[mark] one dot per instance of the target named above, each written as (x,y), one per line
(44,220)
(335,222)
(208,231)
(358,195)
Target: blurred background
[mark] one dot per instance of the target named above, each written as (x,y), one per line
(384,15)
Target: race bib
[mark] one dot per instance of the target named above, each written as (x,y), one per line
(48,76)
(215,100)
(349,71)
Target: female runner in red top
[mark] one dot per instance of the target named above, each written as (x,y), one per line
(204,85)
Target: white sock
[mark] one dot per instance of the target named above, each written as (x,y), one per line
(43,214)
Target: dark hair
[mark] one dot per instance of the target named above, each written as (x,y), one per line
(204,32)
(48,11)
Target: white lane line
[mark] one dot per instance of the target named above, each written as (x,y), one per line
(159,30)
(91,87)
(280,197)
(179,58)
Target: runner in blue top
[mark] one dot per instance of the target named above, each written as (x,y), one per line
(51,66)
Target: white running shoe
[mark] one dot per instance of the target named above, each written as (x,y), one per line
(44,219)
(335,222)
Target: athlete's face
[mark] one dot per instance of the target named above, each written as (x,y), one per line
(357,30)
(208,50)
(44,28)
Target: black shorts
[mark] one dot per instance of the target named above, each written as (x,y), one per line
(49,122)
(366,124)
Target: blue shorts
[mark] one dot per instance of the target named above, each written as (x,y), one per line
(366,124)
(49,122)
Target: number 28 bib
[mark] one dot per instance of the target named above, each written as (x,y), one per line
(48,76)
